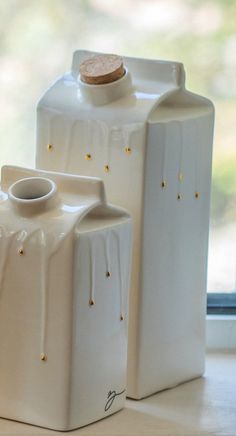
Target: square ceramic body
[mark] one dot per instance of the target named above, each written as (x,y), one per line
(150,140)
(65,261)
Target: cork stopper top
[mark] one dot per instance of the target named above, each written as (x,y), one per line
(102,69)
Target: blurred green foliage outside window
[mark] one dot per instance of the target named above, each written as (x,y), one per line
(37,38)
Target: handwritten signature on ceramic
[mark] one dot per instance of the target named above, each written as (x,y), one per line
(111,397)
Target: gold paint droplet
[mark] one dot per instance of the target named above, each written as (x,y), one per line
(163,184)
(88,156)
(50,147)
(21,251)
(121,318)
(197,194)
(91,302)
(108,274)
(107,168)
(181,177)
(43,357)
(179,197)
(128,150)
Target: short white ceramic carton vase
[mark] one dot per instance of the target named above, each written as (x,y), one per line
(64,272)
(150,140)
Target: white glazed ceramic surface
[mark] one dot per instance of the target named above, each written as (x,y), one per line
(64,272)
(150,140)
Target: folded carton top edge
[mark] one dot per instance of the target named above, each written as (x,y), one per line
(149,69)
(73,184)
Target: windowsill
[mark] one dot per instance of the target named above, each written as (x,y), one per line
(221,317)
(221,332)
(203,406)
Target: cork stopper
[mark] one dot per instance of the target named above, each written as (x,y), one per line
(102,69)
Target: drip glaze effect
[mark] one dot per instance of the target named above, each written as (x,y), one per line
(94,133)
(164,163)
(6,239)
(49,246)
(107,239)
(121,275)
(69,139)
(24,237)
(107,251)
(180,163)
(92,250)
(51,117)
(107,137)
(196,162)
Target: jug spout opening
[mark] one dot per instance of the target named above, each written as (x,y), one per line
(33,195)
(101,94)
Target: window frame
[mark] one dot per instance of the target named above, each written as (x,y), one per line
(221,303)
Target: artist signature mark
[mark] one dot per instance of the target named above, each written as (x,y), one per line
(111,397)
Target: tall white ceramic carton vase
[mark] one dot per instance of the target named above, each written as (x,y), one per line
(64,271)
(150,140)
